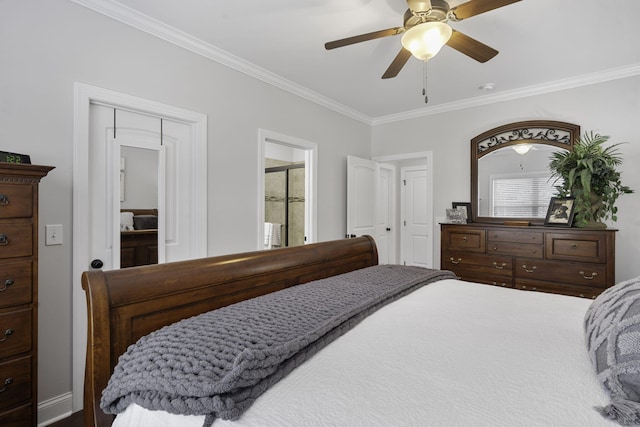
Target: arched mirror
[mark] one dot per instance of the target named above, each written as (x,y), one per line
(510,177)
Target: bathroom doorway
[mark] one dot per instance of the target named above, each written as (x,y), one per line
(284,196)
(286,191)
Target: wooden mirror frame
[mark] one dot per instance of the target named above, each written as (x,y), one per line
(548,132)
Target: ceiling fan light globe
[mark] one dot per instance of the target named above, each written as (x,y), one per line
(425,40)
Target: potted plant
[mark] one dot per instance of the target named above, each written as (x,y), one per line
(588,173)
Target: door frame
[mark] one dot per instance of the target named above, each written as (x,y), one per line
(84,95)
(310,182)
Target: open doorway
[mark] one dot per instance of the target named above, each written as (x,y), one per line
(286,191)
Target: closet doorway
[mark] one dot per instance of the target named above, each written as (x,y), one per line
(286,191)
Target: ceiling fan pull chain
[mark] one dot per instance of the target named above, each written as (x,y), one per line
(424,87)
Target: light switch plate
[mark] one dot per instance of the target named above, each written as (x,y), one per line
(53,234)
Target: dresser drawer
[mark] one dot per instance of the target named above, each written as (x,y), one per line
(464,239)
(586,247)
(516,249)
(15,379)
(16,417)
(16,201)
(15,240)
(15,283)
(476,265)
(562,272)
(516,236)
(15,332)
(488,279)
(558,288)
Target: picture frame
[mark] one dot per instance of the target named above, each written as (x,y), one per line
(560,212)
(464,207)
(455,216)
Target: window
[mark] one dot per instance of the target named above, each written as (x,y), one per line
(521,196)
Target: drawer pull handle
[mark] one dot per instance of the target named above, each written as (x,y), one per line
(6,334)
(499,284)
(524,288)
(464,238)
(501,266)
(4,239)
(7,383)
(455,261)
(7,283)
(527,270)
(593,275)
(4,200)
(574,246)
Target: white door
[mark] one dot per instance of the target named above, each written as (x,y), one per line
(362,198)
(416,247)
(385,215)
(168,140)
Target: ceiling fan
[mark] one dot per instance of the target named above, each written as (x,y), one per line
(433,14)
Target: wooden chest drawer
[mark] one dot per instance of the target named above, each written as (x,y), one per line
(16,240)
(16,201)
(586,247)
(477,265)
(516,249)
(464,239)
(15,379)
(15,332)
(562,272)
(15,283)
(558,288)
(16,417)
(516,236)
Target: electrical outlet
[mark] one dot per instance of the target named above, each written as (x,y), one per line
(53,234)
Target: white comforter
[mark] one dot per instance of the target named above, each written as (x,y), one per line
(450,354)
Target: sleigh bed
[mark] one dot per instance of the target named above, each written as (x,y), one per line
(440,353)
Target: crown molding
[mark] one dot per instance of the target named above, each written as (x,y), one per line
(142,22)
(555,86)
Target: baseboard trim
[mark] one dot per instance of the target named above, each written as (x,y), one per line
(55,409)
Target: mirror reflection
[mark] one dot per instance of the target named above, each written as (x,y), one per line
(514,181)
(138,206)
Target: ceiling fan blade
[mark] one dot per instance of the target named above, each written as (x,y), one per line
(401,58)
(363,38)
(471,47)
(476,7)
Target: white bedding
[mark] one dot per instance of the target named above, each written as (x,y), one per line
(450,354)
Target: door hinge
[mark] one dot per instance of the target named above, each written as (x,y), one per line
(404,182)
(404,223)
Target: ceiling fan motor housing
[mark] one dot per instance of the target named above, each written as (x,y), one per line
(425,11)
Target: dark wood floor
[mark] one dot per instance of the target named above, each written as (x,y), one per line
(75,420)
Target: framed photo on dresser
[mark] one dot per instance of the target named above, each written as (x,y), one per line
(560,212)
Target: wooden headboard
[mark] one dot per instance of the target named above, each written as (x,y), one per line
(124,305)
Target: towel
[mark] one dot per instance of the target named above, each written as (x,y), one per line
(272,235)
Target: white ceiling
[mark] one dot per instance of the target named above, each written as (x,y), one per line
(544,45)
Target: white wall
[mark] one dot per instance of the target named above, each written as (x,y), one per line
(611,108)
(47,45)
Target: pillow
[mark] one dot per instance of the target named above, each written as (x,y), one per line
(126,221)
(612,326)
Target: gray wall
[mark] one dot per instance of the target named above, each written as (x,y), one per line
(610,108)
(47,45)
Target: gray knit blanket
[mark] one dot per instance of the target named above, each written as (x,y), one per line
(218,363)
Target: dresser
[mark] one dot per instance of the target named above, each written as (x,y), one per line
(19,293)
(569,261)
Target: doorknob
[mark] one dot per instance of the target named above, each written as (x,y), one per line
(97,263)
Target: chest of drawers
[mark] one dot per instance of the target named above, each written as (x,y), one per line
(567,261)
(19,293)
